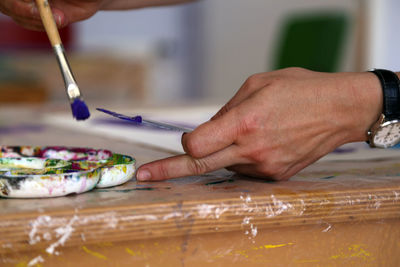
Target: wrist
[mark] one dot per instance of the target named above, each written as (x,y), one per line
(367,102)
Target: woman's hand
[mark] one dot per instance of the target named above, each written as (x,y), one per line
(277,124)
(26,14)
(65,12)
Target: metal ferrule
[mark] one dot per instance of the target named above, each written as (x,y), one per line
(70,84)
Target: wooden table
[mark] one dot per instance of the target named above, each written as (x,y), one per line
(337,213)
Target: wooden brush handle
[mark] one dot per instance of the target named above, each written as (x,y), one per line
(48,22)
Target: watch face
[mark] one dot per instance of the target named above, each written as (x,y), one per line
(387,135)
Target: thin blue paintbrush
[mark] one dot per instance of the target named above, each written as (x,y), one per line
(79,109)
(139,120)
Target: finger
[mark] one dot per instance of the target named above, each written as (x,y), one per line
(23,9)
(185,165)
(212,136)
(30,24)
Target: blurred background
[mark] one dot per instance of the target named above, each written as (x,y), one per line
(197,52)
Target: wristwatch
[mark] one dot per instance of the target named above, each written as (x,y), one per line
(386,131)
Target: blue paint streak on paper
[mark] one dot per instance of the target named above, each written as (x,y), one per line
(138,120)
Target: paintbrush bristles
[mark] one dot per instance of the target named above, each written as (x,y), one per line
(79,110)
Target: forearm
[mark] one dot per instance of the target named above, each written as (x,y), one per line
(133,4)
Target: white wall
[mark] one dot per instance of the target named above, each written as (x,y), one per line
(240,37)
(161,35)
(383,37)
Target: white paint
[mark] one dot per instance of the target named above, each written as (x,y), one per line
(63,233)
(41,220)
(36,261)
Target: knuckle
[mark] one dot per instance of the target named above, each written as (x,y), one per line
(192,147)
(253,81)
(197,166)
(163,171)
(250,124)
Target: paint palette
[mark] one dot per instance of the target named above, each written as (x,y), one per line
(38,172)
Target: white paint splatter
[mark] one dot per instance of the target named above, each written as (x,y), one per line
(41,220)
(35,261)
(64,233)
(174,214)
(204,210)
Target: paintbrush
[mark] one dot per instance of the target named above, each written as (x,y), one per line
(145,122)
(79,109)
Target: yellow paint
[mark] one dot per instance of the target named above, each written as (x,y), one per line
(93,253)
(24,264)
(124,168)
(133,253)
(272,246)
(353,251)
(242,252)
(130,252)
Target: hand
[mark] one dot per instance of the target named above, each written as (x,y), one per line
(65,12)
(277,124)
(25,12)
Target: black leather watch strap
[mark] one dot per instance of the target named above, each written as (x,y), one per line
(391,93)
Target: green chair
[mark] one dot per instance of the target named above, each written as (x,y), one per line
(314,41)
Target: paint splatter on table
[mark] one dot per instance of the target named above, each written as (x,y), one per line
(333,213)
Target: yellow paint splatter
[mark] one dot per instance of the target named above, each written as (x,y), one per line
(133,253)
(353,251)
(93,253)
(242,252)
(21,264)
(130,252)
(124,168)
(272,246)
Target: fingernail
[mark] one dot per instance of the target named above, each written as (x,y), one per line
(57,18)
(143,175)
(34,10)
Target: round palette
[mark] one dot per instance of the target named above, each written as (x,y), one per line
(38,172)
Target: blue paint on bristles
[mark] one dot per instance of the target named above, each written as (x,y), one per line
(79,110)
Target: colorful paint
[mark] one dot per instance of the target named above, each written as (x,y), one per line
(34,172)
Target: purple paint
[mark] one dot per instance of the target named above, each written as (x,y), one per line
(79,110)
(136,119)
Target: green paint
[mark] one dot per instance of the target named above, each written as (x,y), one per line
(221,182)
(328,177)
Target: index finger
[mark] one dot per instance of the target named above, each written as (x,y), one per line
(185,165)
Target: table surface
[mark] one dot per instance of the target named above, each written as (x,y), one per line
(325,192)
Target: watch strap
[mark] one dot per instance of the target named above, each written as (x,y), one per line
(391,93)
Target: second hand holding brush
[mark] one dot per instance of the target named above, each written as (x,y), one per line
(79,109)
